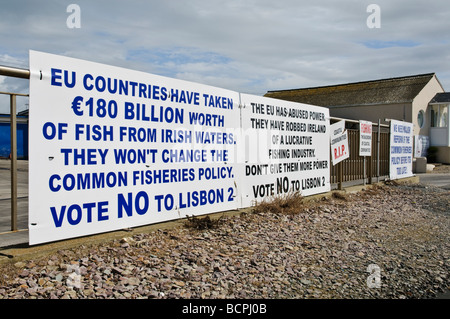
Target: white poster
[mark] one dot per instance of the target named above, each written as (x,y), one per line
(339,142)
(421,144)
(112,148)
(365,138)
(401,150)
(286,148)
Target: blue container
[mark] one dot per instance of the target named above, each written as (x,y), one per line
(22,140)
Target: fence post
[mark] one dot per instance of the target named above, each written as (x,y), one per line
(364,170)
(340,175)
(13,162)
(378,149)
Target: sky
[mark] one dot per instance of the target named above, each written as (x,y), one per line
(250,46)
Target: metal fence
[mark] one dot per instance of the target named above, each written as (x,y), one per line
(359,168)
(13,120)
(24,74)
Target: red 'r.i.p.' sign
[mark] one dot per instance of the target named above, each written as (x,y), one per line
(339,142)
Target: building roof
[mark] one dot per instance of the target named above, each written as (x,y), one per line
(441,98)
(385,91)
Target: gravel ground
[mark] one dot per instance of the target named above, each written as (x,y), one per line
(323,250)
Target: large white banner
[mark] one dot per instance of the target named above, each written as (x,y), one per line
(112,148)
(287,148)
(401,150)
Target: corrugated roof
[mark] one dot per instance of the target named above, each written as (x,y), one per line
(441,98)
(384,91)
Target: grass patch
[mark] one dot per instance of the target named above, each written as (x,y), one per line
(340,195)
(289,203)
(391,182)
(202,223)
(8,273)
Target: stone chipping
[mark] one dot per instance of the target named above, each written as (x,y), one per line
(325,248)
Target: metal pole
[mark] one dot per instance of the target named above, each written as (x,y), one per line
(13,163)
(378,150)
(364,170)
(15,72)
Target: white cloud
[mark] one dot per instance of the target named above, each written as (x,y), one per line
(247,45)
(8,60)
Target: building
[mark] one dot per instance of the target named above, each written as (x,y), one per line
(22,135)
(439,125)
(419,99)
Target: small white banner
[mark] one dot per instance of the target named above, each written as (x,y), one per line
(365,138)
(339,142)
(401,150)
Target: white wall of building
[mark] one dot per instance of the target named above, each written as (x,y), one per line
(421,103)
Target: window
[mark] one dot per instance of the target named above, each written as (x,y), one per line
(421,118)
(439,115)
